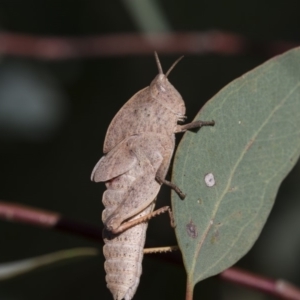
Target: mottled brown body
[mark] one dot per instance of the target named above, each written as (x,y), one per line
(147,112)
(138,148)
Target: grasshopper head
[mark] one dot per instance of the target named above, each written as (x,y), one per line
(165,93)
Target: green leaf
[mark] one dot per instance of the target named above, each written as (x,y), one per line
(17,268)
(231,172)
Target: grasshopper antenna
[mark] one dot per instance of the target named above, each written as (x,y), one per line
(174,64)
(160,70)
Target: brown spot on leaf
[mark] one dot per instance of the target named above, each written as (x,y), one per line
(191,230)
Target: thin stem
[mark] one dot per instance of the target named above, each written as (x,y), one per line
(15,212)
(277,288)
(41,218)
(189,289)
(202,42)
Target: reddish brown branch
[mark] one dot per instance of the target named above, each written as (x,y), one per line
(19,213)
(58,48)
(277,288)
(41,218)
(23,214)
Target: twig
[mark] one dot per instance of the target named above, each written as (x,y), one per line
(19,213)
(278,288)
(61,48)
(41,218)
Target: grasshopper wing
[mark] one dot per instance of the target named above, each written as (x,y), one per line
(115,163)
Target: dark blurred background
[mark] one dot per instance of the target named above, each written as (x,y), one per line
(54,112)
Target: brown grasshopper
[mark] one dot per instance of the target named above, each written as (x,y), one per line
(138,148)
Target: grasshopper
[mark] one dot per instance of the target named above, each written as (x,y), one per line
(138,148)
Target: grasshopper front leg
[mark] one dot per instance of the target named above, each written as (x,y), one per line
(171,185)
(162,170)
(193,125)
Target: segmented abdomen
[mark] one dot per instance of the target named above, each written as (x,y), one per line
(124,255)
(124,251)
